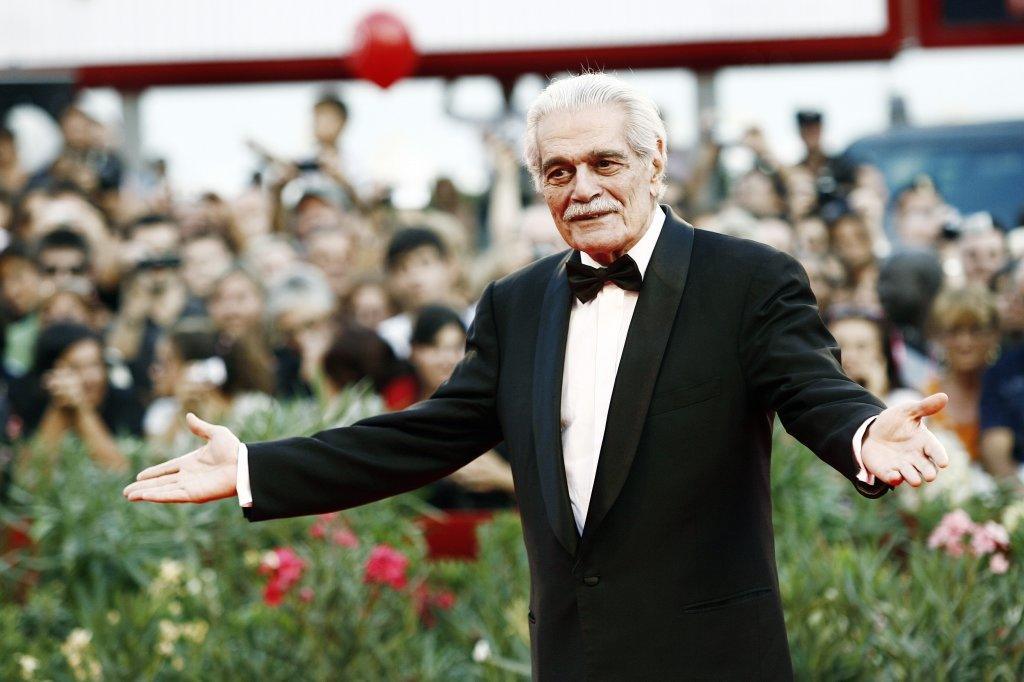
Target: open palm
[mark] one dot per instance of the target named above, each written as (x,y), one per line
(203,475)
(899,447)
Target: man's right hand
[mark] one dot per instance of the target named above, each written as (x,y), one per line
(202,475)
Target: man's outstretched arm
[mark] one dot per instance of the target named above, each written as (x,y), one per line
(345,467)
(792,365)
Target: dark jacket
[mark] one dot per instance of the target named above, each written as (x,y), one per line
(674,576)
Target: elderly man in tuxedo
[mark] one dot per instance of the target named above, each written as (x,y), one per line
(635,379)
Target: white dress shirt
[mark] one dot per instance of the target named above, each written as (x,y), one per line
(597,334)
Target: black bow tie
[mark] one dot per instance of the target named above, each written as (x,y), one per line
(586,281)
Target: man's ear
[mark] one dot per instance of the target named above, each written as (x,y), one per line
(658,167)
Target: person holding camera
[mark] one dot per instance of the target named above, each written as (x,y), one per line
(153,293)
(68,392)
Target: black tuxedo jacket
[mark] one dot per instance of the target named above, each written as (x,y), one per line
(674,576)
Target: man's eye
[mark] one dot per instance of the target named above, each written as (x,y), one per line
(605,164)
(558,174)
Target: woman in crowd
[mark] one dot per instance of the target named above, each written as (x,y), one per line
(196,372)
(438,343)
(965,329)
(867,354)
(68,392)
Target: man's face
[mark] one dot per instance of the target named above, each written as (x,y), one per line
(328,123)
(982,254)
(810,133)
(203,261)
(19,286)
(599,192)
(65,268)
(421,276)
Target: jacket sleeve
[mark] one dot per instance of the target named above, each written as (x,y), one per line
(792,366)
(389,453)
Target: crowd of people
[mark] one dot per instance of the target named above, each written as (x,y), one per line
(124,305)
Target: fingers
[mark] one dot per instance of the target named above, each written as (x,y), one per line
(202,429)
(171,466)
(149,484)
(934,450)
(928,406)
(910,473)
(171,492)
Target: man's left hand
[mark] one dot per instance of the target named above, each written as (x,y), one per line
(899,447)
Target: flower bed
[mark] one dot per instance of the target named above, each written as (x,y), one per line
(114,590)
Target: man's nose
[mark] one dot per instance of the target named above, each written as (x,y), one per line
(585,188)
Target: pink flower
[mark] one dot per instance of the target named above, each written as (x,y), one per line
(989,538)
(306,594)
(386,566)
(998,564)
(345,538)
(951,531)
(317,530)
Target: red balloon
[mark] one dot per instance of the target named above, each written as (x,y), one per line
(382,51)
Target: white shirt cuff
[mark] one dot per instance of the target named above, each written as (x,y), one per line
(242,480)
(858,438)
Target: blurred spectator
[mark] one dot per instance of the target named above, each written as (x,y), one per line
(20,283)
(832,175)
(438,343)
(966,329)
(270,256)
(908,283)
(68,392)
(420,271)
(69,305)
(355,354)
(850,240)
(153,294)
(63,259)
(12,175)
(195,372)
(237,308)
(205,257)
(982,247)
(1008,286)
(812,236)
(332,250)
(369,302)
(826,276)
(1002,419)
(867,354)
(301,308)
(920,215)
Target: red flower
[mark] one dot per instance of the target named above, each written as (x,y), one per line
(427,601)
(285,568)
(345,538)
(386,566)
(317,530)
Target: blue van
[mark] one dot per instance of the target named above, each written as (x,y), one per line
(976,167)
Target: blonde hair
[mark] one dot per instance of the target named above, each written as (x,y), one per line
(971,305)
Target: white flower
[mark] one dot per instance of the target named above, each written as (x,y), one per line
(174,608)
(481,651)
(171,570)
(271,560)
(29,665)
(1013,515)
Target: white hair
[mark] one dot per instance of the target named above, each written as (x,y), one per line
(644,126)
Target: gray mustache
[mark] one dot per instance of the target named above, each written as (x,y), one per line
(599,205)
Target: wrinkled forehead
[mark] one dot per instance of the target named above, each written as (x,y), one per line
(577,133)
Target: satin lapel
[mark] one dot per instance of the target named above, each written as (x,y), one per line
(548,361)
(645,344)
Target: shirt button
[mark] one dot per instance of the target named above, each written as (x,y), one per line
(591,580)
